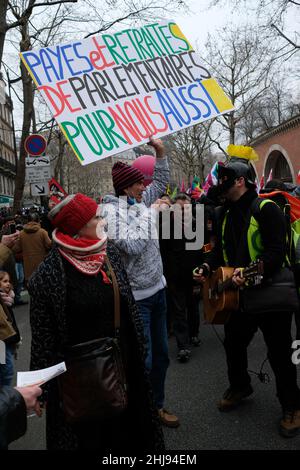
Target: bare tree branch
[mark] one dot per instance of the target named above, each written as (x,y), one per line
(296,46)
(54,3)
(27,12)
(119,20)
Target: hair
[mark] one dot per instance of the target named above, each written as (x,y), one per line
(120,192)
(33,217)
(59,206)
(9,218)
(213,194)
(3,274)
(276,184)
(182,197)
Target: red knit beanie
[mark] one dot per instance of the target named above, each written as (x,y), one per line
(124,176)
(69,217)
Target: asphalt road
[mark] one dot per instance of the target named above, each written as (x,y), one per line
(192,390)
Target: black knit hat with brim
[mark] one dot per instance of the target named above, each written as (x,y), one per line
(124,175)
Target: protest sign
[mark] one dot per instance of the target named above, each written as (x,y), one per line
(110,92)
(56,188)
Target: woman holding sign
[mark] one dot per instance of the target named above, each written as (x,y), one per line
(73,303)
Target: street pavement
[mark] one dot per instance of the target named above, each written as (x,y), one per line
(192,390)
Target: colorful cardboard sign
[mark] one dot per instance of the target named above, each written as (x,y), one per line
(56,188)
(111,92)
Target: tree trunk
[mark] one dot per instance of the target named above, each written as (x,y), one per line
(3,26)
(201,169)
(231,129)
(27,118)
(58,171)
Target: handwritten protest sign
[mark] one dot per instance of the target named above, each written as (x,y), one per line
(110,92)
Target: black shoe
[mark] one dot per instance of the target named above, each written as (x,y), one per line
(232,398)
(195,341)
(21,302)
(184,355)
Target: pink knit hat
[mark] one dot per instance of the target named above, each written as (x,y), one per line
(124,175)
(73,213)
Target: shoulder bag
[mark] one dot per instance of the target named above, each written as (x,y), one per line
(276,294)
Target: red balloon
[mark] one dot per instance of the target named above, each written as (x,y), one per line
(146,164)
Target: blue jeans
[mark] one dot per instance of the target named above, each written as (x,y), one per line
(20,278)
(154,314)
(7,370)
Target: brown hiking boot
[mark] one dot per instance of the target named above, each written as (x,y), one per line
(290,424)
(168,419)
(231,399)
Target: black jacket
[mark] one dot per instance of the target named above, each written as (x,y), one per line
(178,261)
(50,318)
(47,225)
(13,418)
(272,226)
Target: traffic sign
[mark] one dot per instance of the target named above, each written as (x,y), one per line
(37,174)
(39,189)
(35,144)
(33,162)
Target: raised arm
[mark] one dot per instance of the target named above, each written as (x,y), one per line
(161,174)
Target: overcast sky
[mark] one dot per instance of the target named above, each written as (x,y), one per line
(202,19)
(196,23)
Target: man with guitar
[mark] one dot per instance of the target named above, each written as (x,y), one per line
(244,238)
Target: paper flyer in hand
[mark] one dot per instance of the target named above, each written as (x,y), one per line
(40,376)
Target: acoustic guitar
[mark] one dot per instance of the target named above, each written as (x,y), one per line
(221,296)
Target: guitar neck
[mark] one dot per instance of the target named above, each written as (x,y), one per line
(222,286)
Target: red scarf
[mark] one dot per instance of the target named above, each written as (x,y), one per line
(86,255)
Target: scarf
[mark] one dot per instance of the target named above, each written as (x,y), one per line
(86,255)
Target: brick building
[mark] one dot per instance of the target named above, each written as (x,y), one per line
(279,150)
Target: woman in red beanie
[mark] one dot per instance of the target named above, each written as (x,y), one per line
(72,301)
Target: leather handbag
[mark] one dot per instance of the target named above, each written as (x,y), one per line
(275,294)
(94,385)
